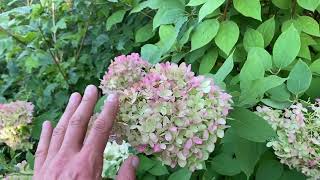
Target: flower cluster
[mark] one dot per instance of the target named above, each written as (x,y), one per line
(114,155)
(298,129)
(168,111)
(14,119)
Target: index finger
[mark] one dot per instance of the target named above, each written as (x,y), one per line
(99,134)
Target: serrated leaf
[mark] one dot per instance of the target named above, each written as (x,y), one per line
(227,36)
(252,38)
(144,33)
(283,55)
(250,126)
(310,5)
(249,8)
(204,33)
(208,61)
(115,18)
(209,7)
(267,30)
(299,78)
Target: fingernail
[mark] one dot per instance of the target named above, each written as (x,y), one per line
(112,97)
(135,161)
(73,96)
(90,89)
(46,124)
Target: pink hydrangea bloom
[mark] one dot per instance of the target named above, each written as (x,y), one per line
(298,143)
(14,119)
(170,112)
(123,73)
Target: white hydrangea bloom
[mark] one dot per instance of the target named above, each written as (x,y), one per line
(114,155)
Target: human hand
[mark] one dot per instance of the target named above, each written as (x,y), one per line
(65,153)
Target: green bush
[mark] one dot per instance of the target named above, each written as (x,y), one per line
(260,51)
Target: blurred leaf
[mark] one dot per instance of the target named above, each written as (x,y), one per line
(227,36)
(252,38)
(182,174)
(299,78)
(267,30)
(204,33)
(208,61)
(269,169)
(208,8)
(115,18)
(249,8)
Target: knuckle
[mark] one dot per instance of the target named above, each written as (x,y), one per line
(76,120)
(40,153)
(100,126)
(59,131)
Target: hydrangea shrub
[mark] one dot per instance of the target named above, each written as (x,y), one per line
(298,130)
(14,120)
(167,111)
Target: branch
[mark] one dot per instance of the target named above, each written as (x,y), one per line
(293,7)
(224,16)
(53,57)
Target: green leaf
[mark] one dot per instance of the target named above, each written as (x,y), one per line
(115,18)
(267,30)
(145,164)
(209,7)
(306,41)
(167,16)
(313,91)
(151,53)
(276,104)
(299,78)
(225,69)
(252,69)
(227,36)
(282,4)
(168,36)
(196,2)
(185,38)
(308,25)
(269,169)
(158,169)
(248,8)
(30,159)
(144,33)
(204,33)
(262,55)
(31,63)
(224,164)
(315,67)
(252,38)
(248,154)
(182,174)
(310,5)
(250,126)
(292,175)
(100,103)
(279,93)
(283,54)
(208,61)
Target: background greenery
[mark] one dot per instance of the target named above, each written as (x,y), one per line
(260,51)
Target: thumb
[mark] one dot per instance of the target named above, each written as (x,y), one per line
(127,170)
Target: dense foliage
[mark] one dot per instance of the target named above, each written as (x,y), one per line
(259,51)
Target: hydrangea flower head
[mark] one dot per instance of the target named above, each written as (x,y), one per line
(298,143)
(14,119)
(174,115)
(114,155)
(124,72)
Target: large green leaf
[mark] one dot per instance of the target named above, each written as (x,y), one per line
(158,169)
(182,174)
(310,5)
(269,169)
(286,48)
(151,53)
(308,25)
(144,33)
(204,33)
(227,36)
(225,164)
(168,36)
(225,69)
(249,8)
(267,30)
(252,38)
(299,78)
(196,2)
(250,126)
(208,61)
(315,67)
(209,7)
(167,16)
(115,18)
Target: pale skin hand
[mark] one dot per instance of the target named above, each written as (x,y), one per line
(65,153)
